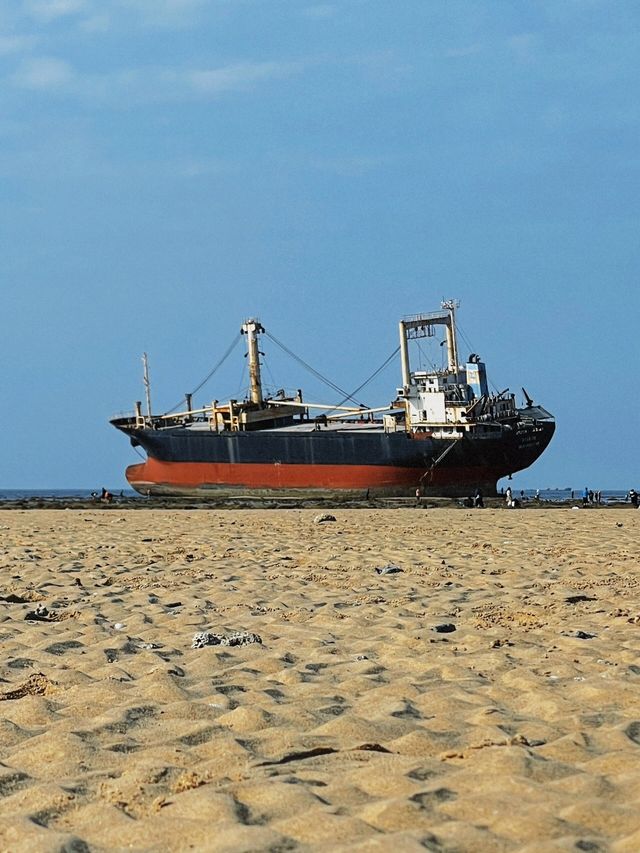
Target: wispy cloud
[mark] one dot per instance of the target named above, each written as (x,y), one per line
(319,10)
(241,76)
(151,84)
(348,166)
(163,13)
(43,73)
(100,15)
(16,44)
(202,167)
(523,46)
(98,23)
(46,11)
(384,68)
(461,52)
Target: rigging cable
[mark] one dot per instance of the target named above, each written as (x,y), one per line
(371,378)
(210,374)
(314,372)
(464,337)
(423,355)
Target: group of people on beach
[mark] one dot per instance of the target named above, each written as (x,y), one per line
(591,498)
(511,502)
(105,496)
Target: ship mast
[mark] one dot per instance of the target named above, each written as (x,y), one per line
(450,305)
(252,328)
(423,326)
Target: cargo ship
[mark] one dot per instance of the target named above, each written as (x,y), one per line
(444,434)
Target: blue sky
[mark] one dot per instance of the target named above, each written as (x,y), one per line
(170,167)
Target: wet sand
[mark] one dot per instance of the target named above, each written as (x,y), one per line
(486,697)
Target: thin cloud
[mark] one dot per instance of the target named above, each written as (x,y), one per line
(348,166)
(461,52)
(163,13)
(198,168)
(16,44)
(320,10)
(148,85)
(382,67)
(241,76)
(46,11)
(43,73)
(523,46)
(96,24)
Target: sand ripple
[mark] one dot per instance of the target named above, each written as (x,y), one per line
(359,723)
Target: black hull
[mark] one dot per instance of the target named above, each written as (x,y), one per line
(347,462)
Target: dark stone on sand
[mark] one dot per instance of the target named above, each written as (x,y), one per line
(444,628)
(575,599)
(579,635)
(324,517)
(633,732)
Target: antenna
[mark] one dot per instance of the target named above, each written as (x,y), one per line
(147,384)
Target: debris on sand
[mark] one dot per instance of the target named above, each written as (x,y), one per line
(237,638)
(36,685)
(389,570)
(43,614)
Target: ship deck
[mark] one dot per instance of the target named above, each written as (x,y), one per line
(305,427)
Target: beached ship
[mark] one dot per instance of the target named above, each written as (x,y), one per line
(444,433)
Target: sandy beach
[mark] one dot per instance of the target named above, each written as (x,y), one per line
(484,698)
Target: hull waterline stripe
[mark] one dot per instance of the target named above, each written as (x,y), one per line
(283,476)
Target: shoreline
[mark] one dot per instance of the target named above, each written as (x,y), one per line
(257,503)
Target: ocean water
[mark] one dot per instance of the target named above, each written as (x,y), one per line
(608,495)
(57,494)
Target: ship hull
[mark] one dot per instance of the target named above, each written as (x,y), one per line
(347,463)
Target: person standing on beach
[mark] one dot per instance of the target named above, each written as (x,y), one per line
(585,496)
(509,496)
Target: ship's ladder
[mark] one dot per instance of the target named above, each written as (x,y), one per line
(429,472)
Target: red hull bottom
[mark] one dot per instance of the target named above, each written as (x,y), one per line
(215,479)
